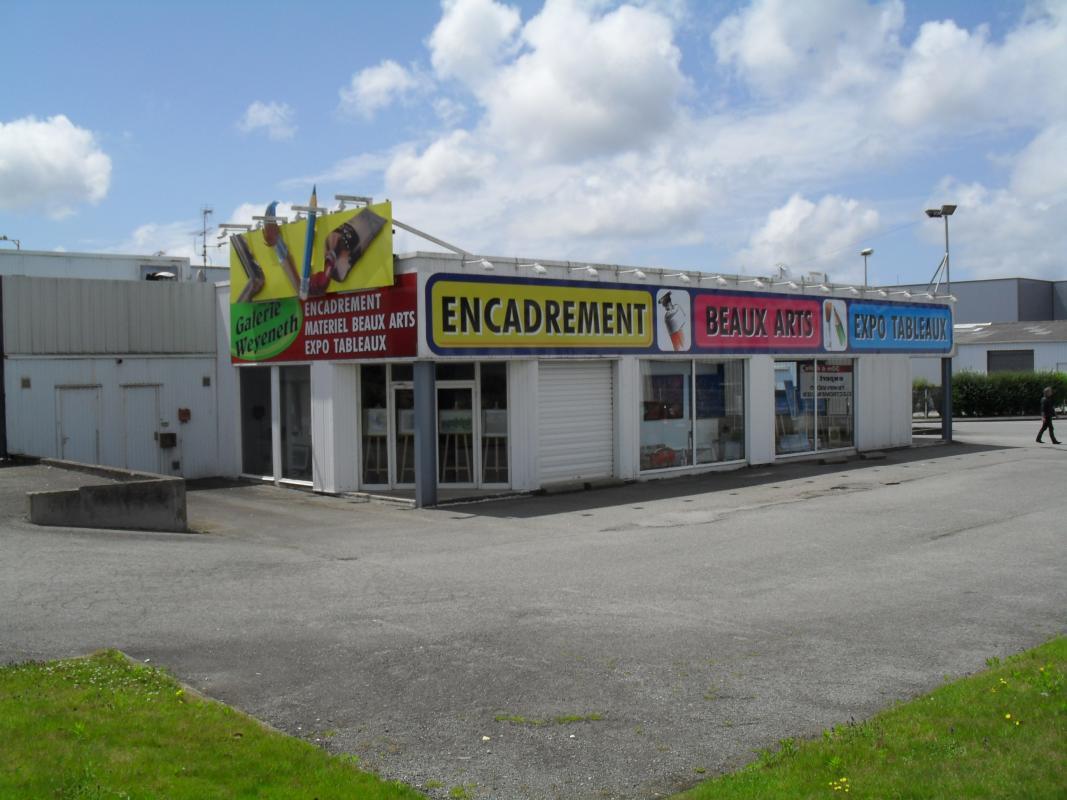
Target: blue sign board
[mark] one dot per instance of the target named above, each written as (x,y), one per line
(899,327)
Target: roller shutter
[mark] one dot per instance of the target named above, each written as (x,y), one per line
(575,421)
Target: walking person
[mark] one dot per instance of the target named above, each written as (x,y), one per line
(1048,410)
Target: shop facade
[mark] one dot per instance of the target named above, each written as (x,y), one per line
(495,375)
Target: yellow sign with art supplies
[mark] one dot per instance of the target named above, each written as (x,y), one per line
(501,315)
(351,250)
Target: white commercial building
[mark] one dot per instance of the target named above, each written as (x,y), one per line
(493,373)
(113,372)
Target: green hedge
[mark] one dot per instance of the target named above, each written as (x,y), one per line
(1002,394)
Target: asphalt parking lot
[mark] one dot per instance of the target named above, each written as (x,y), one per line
(630,636)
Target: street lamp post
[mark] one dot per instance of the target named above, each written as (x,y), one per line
(945,211)
(16,242)
(865,252)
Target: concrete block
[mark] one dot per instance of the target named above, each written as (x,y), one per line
(156,504)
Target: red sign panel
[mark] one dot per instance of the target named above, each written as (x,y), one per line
(376,323)
(739,322)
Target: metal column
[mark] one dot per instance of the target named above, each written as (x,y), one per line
(425,435)
(946,399)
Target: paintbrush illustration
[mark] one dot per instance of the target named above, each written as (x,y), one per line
(272,235)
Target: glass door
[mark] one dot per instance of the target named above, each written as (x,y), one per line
(403,445)
(296,422)
(794,407)
(457,456)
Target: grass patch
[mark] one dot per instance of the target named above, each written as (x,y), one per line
(999,734)
(102,728)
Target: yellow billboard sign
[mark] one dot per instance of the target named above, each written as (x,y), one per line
(352,249)
(501,315)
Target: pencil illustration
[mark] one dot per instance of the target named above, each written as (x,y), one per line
(309,244)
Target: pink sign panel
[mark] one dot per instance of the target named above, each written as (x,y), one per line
(725,321)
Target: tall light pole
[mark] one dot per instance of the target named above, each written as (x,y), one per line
(865,252)
(945,211)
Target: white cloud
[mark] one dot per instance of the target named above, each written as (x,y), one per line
(780,45)
(181,239)
(449,111)
(1016,230)
(1040,172)
(354,168)
(274,118)
(374,88)
(959,77)
(172,239)
(471,39)
(586,85)
(50,165)
(806,236)
(582,136)
(243,213)
(450,164)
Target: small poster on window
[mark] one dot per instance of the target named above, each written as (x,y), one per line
(665,397)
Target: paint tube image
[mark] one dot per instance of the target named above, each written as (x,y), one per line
(833,327)
(674,319)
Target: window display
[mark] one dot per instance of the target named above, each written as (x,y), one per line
(794,419)
(494,377)
(455,433)
(375,425)
(813,405)
(834,386)
(719,430)
(666,432)
(691,413)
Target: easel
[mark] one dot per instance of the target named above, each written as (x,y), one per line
(458,444)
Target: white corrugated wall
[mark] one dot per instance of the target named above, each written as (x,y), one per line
(63,316)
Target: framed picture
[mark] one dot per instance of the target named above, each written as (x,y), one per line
(375,422)
(455,420)
(495,422)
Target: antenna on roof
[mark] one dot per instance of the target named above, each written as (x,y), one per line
(205,212)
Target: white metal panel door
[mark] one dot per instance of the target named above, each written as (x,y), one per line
(576,421)
(140,415)
(78,411)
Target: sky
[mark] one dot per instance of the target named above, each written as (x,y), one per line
(685,134)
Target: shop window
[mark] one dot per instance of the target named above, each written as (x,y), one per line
(256,450)
(719,429)
(375,424)
(296,422)
(494,388)
(691,413)
(813,405)
(834,408)
(455,433)
(666,429)
(794,413)
(404,403)
(402,373)
(455,371)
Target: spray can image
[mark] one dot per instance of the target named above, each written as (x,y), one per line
(674,319)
